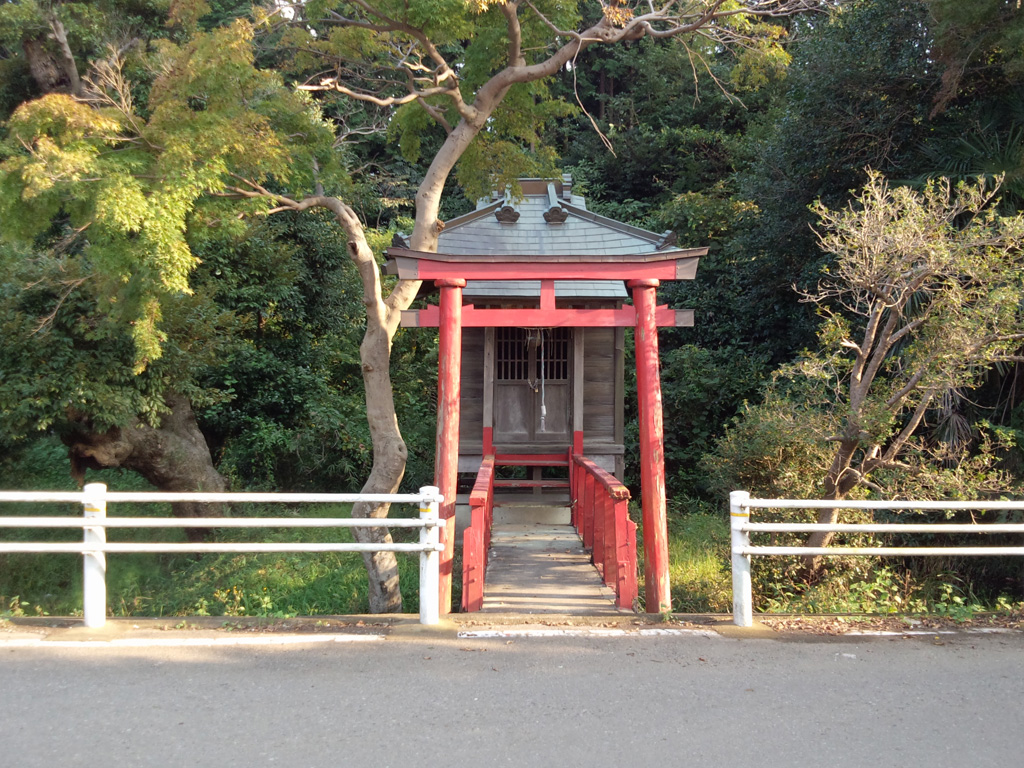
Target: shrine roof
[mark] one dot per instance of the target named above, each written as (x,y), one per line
(547,221)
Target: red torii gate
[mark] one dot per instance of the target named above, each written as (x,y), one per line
(642,274)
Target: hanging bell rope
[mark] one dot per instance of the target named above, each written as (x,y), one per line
(543,375)
(535,338)
(532,342)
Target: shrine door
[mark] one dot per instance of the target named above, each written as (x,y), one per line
(532,386)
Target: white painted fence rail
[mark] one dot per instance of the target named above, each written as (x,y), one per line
(94,523)
(740,504)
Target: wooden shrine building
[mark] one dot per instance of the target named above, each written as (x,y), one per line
(532,317)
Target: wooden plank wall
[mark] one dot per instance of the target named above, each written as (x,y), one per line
(599,390)
(472,417)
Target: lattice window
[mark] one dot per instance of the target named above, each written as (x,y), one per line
(556,354)
(519,355)
(512,354)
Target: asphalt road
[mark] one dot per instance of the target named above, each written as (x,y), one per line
(564,701)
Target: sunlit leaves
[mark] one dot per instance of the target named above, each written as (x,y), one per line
(187,12)
(616,13)
(482,6)
(762,61)
(135,181)
(494,163)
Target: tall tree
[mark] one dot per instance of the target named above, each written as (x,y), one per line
(77,55)
(921,301)
(923,298)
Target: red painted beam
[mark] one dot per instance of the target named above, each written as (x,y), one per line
(624,317)
(499,268)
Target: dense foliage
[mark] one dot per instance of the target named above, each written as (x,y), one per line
(138,261)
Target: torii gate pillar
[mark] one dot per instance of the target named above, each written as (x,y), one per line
(446,465)
(652,448)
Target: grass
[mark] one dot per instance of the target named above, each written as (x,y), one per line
(701,579)
(187,585)
(229,584)
(699,570)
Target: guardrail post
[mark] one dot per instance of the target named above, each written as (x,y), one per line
(742,592)
(430,558)
(94,564)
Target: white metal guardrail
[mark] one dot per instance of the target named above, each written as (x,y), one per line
(740,504)
(94,522)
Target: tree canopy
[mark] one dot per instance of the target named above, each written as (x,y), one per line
(183,183)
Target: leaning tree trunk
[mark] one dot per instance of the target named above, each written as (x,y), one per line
(173,457)
(382,320)
(838,482)
(389,457)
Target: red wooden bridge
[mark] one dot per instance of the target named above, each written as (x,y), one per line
(599,514)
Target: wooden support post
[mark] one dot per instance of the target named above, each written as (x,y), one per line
(652,448)
(575,477)
(474,558)
(628,594)
(610,541)
(597,551)
(446,461)
(547,294)
(488,374)
(625,559)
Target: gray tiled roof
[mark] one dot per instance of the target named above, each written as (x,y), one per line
(582,233)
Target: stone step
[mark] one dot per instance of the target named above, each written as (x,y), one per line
(536,568)
(531,514)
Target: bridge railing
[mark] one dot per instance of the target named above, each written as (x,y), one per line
(740,504)
(95,547)
(600,513)
(476,539)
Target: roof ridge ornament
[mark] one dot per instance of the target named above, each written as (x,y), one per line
(508,213)
(555,214)
(669,239)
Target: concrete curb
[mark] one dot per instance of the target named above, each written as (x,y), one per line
(41,632)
